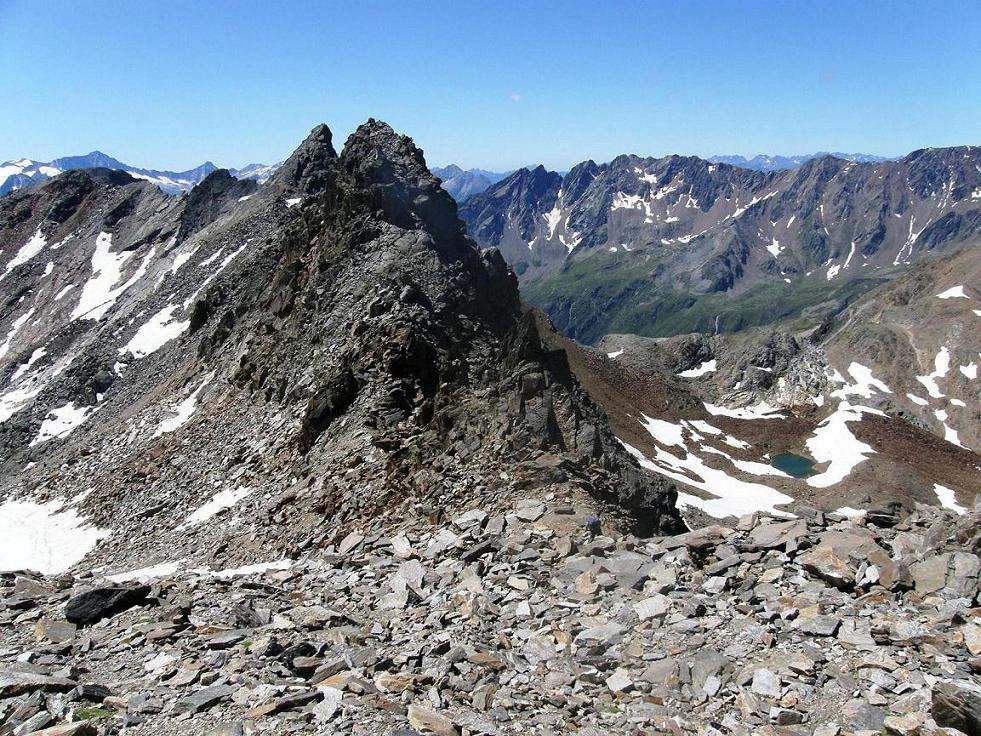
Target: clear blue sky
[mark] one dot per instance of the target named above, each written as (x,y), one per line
(494,84)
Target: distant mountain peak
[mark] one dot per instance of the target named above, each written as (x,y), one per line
(766,162)
(464,183)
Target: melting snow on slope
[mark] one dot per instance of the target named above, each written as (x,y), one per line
(24,367)
(731,496)
(760,411)
(834,443)
(615,354)
(147,573)
(865,382)
(14,329)
(553,218)
(98,294)
(954,292)
(44,537)
(62,421)
(941,364)
(947,499)
(184,410)
(970,370)
(219,502)
(30,249)
(17,398)
(157,332)
(775,248)
(699,370)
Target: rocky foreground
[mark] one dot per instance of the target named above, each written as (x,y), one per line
(523,623)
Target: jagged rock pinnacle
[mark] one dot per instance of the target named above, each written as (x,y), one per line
(310,168)
(394,170)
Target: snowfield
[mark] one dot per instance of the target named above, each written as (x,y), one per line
(834,443)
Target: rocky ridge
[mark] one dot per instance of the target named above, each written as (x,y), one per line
(257,340)
(521,623)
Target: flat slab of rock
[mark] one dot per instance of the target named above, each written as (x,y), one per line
(13,682)
(204,699)
(957,704)
(82,728)
(432,722)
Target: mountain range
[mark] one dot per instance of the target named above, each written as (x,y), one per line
(763,162)
(26,172)
(678,244)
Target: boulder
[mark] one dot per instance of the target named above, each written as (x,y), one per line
(96,604)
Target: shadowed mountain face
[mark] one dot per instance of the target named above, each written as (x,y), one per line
(673,245)
(330,342)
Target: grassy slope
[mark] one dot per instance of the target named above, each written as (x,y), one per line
(615,293)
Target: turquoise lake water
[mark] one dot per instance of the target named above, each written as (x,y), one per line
(795,465)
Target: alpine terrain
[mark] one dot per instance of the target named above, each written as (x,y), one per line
(666,246)
(295,457)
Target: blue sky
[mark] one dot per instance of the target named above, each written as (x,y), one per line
(491,84)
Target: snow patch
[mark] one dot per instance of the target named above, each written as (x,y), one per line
(219,502)
(30,249)
(62,421)
(834,443)
(664,432)
(917,400)
(941,365)
(147,573)
(700,370)
(14,329)
(948,499)
(553,218)
(760,411)
(160,329)
(98,294)
(729,496)
(954,292)
(184,410)
(864,384)
(44,537)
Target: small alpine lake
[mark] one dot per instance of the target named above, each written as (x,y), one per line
(795,465)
